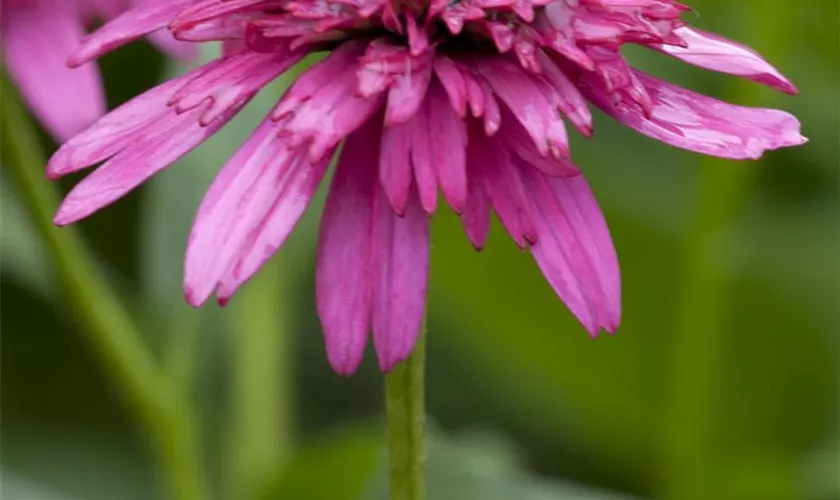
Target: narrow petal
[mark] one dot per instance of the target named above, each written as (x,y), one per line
(151,153)
(500,180)
(297,187)
(422,160)
(574,251)
(578,203)
(699,123)
(448,141)
(716,53)
(400,265)
(526,101)
(238,201)
(342,277)
(476,216)
(37,39)
(131,25)
(115,131)
(395,165)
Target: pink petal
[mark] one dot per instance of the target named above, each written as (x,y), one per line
(237,203)
(453,82)
(448,141)
(500,181)
(342,279)
(131,25)
(526,101)
(574,251)
(699,123)
(407,95)
(395,164)
(422,160)
(476,216)
(716,53)
(37,39)
(297,188)
(115,131)
(173,137)
(400,274)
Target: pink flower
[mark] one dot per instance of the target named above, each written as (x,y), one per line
(465,96)
(38,38)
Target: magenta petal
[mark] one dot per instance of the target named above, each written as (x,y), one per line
(491,165)
(133,24)
(395,164)
(476,216)
(699,123)
(422,159)
(297,187)
(400,266)
(117,130)
(716,53)
(448,141)
(574,251)
(236,203)
(37,40)
(151,152)
(342,279)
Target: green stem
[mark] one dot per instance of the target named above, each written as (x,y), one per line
(404,394)
(107,326)
(698,339)
(262,402)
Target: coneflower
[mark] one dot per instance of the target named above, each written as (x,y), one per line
(469,98)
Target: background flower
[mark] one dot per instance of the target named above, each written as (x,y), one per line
(38,37)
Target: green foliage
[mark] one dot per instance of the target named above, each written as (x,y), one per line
(628,413)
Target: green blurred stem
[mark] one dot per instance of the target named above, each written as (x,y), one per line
(261,423)
(404,395)
(692,452)
(107,326)
(697,343)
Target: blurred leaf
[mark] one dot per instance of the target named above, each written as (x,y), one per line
(351,464)
(20,488)
(21,252)
(75,464)
(338,466)
(820,478)
(485,467)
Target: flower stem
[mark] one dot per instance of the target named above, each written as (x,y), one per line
(404,394)
(108,328)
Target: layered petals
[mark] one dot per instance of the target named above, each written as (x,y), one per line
(698,123)
(469,99)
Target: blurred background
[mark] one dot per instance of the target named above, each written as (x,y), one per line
(722,382)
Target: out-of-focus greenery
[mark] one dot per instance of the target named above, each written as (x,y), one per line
(722,382)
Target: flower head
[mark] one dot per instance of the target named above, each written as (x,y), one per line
(38,38)
(467,97)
